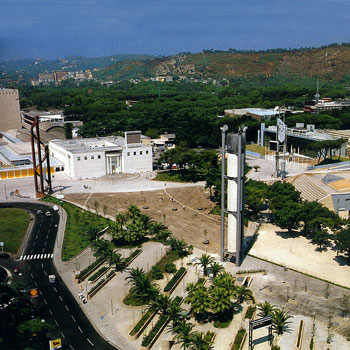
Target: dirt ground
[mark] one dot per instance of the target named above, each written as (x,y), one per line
(190,221)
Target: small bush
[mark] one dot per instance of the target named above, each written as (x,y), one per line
(157,273)
(170,268)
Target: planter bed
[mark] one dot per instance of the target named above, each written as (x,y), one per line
(239,340)
(90,269)
(143,323)
(250,312)
(173,283)
(100,284)
(127,261)
(300,335)
(153,335)
(93,278)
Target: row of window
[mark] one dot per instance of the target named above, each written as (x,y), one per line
(136,153)
(91,157)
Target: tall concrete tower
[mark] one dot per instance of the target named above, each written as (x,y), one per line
(235,192)
(10,117)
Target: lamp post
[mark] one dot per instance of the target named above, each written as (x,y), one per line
(223,135)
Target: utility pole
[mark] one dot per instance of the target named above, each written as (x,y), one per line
(223,132)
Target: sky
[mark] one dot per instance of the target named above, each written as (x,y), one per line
(60,28)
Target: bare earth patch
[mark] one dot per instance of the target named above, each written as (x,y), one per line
(184,210)
(298,253)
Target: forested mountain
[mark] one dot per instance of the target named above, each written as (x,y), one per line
(330,62)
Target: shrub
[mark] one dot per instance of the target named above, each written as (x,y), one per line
(174,280)
(156,273)
(250,312)
(143,320)
(238,340)
(98,273)
(170,268)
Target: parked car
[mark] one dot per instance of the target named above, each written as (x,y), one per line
(4,256)
(39,212)
(48,213)
(55,208)
(16,270)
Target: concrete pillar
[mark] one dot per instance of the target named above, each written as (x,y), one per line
(232,172)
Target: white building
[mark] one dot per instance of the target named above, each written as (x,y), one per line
(95,157)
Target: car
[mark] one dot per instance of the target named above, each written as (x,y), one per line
(52,278)
(55,208)
(4,256)
(48,213)
(16,270)
(39,212)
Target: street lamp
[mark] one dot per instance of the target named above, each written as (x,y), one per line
(223,135)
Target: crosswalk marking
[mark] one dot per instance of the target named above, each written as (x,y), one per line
(36,256)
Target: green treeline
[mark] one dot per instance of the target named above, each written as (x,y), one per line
(190,110)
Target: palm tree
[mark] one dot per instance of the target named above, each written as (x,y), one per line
(115,259)
(179,246)
(200,342)
(133,212)
(225,280)
(100,247)
(183,334)
(220,301)
(174,311)
(162,303)
(280,321)
(159,231)
(92,232)
(216,268)
(243,294)
(266,309)
(205,260)
(142,289)
(199,301)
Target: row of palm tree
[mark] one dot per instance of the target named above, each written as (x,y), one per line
(280,318)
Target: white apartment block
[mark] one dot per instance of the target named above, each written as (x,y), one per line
(95,157)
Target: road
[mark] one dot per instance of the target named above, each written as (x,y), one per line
(36,265)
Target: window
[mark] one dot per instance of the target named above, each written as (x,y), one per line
(92,157)
(78,159)
(146,152)
(134,153)
(140,153)
(128,154)
(99,156)
(85,157)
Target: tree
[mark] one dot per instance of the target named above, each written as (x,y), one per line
(255,195)
(342,242)
(92,232)
(220,301)
(243,294)
(225,280)
(266,309)
(321,238)
(100,247)
(199,300)
(205,261)
(288,217)
(280,321)
(279,193)
(183,334)
(215,269)
(199,341)
(68,131)
(179,246)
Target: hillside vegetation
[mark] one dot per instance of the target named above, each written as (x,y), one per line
(331,62)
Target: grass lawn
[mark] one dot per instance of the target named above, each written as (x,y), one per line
(77,219)
(14,223)
(256,149)
(183,175)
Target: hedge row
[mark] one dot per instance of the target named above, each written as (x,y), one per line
(83,273)
(250,312)
(101,282)
(127,260)
(238,340)
(98,273)
(174,280)
(143,320)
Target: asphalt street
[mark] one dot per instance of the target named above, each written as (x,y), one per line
(36,264)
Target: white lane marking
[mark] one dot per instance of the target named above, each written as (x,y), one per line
(71,347)
(44,255)
(36,237)
(90,341)
(40,292)
(66,307)
(47,236)
(30,257)
(42,265)
(36,284)
(41,256)
(60,298)
(73,318)
(24,258)
(80,329)
(34,244)
(50,311)
(34,256)
(43,250)
(32,275)
(29,267)
(51,255)
(56,323)
(45,301)
(21,257)
(62,334)
(45,242)
(45,273)
(55,289)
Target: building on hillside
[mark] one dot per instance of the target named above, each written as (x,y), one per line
(325,104)
(95,157)
(256,113)
(9,110)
